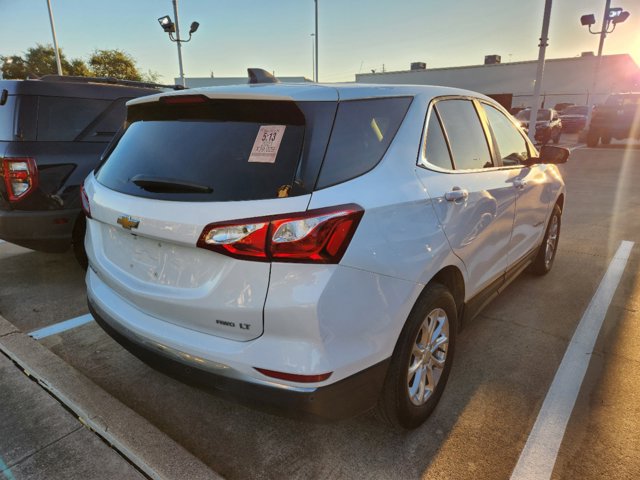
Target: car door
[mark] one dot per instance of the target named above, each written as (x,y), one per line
(531,184)
(474,199)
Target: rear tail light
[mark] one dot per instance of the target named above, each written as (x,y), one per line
(20,177)
(86,206)
(294,377)
(315,236)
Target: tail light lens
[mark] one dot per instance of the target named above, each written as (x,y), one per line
(315,236)
(20,177)
(86,206)
(294,377)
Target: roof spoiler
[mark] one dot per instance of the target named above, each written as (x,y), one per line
(108,80)
(259,75)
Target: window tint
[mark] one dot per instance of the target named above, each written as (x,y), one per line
(62,119)
(466,137)
(7,119)
(511,144)
(436,151)
(105,126)
(218,150)
(362,132)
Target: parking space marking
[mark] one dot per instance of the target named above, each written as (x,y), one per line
(61,327)
(575,147)
(539,455)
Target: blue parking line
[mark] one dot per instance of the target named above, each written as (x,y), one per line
(61,327)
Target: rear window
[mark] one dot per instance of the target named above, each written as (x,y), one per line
(362,132)
(216,151)
(63,119)
(7,119)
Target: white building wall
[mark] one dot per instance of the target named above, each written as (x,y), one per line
(565,79)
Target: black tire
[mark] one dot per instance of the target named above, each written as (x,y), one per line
(541,265)
(606,139)
(77,239)
(395,405)
(592,139)
(556,138)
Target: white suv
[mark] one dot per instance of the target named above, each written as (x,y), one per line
(314,248)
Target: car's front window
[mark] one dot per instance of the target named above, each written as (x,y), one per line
(511,144)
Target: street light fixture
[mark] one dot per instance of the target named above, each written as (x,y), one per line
(169,27)
(611,16)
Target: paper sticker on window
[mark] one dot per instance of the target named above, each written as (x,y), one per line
(265,148)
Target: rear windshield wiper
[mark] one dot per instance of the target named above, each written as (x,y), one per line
(169,185)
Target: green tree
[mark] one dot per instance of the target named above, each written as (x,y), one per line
(114,63)
(79,69)
(151,77)
(13,67)
(41,60)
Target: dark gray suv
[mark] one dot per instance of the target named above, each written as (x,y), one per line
(52,133)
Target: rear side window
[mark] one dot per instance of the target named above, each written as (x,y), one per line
(436,151)
(215,151)
(63,119)
(105,126)
(362,132)
(7,119)
(466,136)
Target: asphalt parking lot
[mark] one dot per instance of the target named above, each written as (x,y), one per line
(505,363)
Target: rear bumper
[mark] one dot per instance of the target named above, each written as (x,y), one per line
(343,399)
(47,231)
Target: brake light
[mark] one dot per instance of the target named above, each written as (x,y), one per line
(315,236)
(294,377)
(20,177)
(183,99)
(86,206)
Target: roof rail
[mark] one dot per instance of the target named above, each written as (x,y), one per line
(107,80)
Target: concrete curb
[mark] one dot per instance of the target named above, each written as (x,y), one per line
(152,451)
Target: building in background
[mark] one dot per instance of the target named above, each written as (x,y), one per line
(565,79)
(196,82)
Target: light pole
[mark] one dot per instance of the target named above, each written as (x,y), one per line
(313,58)
(316,39)
(544,38)
(169,27)
(55,40)
(610,16)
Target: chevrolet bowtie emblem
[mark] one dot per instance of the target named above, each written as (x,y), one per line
(127,222)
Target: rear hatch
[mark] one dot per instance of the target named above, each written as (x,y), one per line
(183,163)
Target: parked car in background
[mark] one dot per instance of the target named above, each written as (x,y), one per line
(515,110)
(615,118)
(315,248)
(548,124)
(560,107)
(574,118)
(52,133)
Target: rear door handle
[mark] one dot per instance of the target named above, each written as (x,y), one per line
(456,193)
(520,184)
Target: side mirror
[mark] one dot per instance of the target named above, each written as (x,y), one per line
(554,155)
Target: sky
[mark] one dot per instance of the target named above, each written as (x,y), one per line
(354,35)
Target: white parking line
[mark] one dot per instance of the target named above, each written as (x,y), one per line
(539,455)
(61,327)
(575,147)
